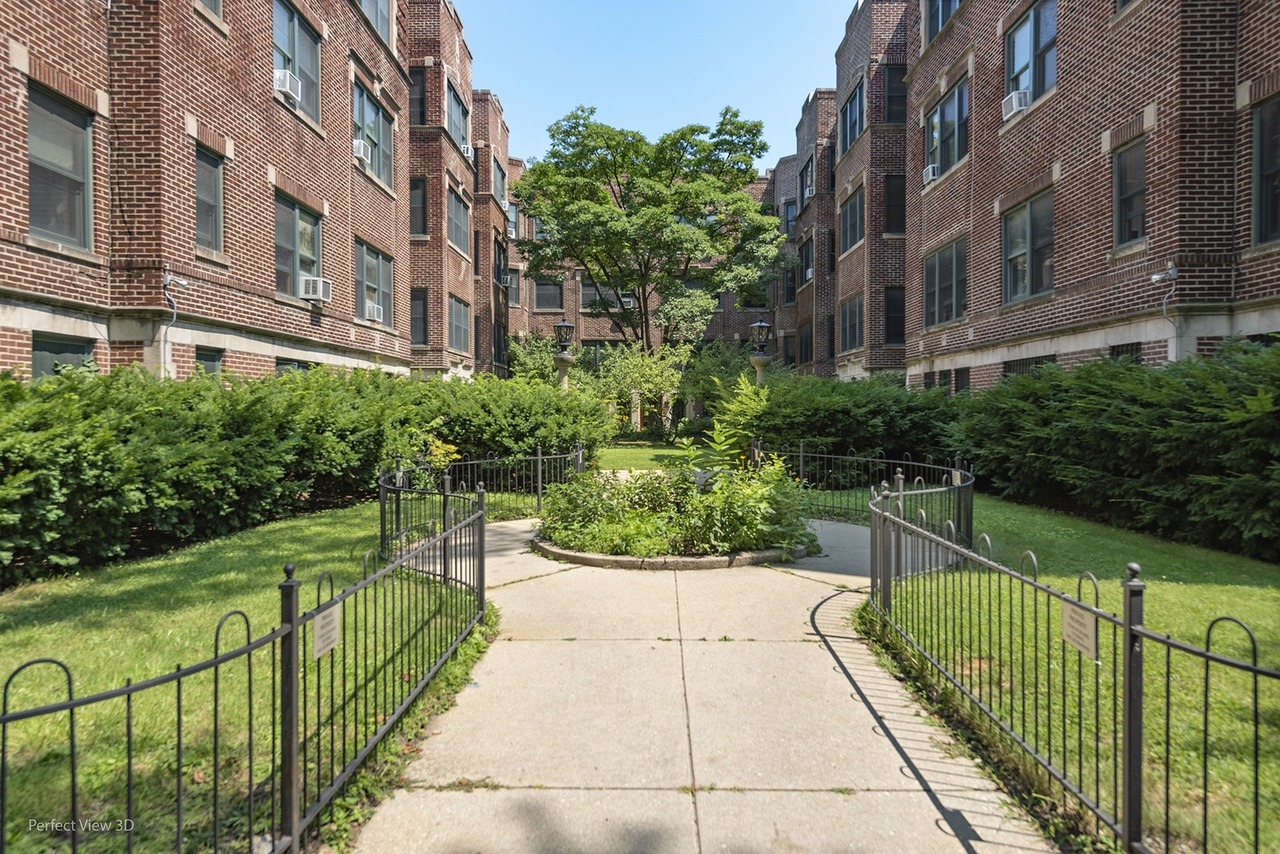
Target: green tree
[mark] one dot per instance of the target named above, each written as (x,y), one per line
(642,219)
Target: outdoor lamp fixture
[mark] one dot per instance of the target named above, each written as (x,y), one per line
(564,335)
(759,358)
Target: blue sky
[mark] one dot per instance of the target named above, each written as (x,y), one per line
(652,66)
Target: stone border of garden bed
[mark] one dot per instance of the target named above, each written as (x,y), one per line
(666,562)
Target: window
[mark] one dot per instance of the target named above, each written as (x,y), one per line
(944,381)
(789,350)
(895,316)
(895,94)
(1130,167)
(499,344)
(214,6)
(928,380)
(1031,51)
(372,124)
(373,283)
(789,217)
(539,233)
(379,14)
(753,295)
(499,181)
(499,260)
(962,379)
(418,208)
(895,204)
(548,296)
(208,200)
(852,221)
(459,221)
(832,252)
(804,338)
(284,366)
(789,286)
(297,50)
(417,96)
(209,360)
(1028,249)
(513,286)
(806,259)
(418,316)
(297,245)
(475,252)
(1025,366)
(458,114)
(513,220)
(459,325)
(51,352)
(940,11)
(945,281)
(59,155)
(1132,350)
(851,117)
(946,130)
(851,324)
(1266,121)
(806,183)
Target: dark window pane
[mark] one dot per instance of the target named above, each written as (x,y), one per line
(895,94)
(1267,169)
(895,204)
(895,316)
(51,352)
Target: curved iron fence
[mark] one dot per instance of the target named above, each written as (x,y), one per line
(840,486)
(246,750)
(1162,748)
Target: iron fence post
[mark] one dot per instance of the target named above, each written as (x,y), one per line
(580,459)
(875,546)
(1131,765)
(480,548)
(290,773)
(382,519)
(538,479)
(893,546)
(444,528)
(802,460)
(399,487)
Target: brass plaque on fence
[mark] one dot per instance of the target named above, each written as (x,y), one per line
(957,477)
(326,631)
(1080,628)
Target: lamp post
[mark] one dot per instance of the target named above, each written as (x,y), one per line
(759,358)
(564,335)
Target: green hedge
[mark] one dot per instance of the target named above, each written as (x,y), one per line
(1189,449)
(94,467)
(863,418)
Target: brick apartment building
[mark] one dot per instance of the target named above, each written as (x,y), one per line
(178,155)
(217,182)
(1082,180)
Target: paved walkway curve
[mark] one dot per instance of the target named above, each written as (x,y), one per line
(725,710)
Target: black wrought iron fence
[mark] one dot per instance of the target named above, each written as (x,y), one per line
(1163,748)
(839,486)
(245,751)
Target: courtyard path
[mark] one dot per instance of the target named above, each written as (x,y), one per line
(719,710)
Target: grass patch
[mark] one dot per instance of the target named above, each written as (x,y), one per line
(1004,643)
(140,619)
(639,456)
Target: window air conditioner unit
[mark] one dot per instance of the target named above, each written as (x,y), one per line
(505,281)
(506,205)
(1014,103)
(373,311)
(808,274)
(468,152)
(930,173)
(288,83)
(360,150)
(629,303)
(511,232)
(315,288)
(808,193)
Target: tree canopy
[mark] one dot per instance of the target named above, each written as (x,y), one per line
(666,223)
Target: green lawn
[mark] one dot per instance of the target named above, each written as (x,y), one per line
(140,619)
(638,455)
(1004,642)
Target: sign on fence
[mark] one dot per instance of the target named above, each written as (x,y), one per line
(327,631)
(1080,628)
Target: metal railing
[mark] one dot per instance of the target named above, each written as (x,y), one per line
(412,497)
(1161,747)
(246,750)
(840,486)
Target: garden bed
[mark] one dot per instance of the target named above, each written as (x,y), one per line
(669,562)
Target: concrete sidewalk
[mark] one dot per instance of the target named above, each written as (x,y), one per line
(723,710)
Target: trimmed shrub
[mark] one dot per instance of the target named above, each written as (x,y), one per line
(95,467)
(1189,449)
